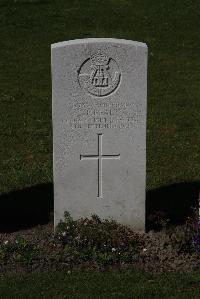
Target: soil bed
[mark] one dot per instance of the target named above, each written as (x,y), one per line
(36,249)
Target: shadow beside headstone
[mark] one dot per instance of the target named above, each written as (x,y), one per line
(173,202)
(26,208)
(33,206)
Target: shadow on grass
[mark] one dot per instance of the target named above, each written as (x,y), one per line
(33,206)
(26,208)
(174,202)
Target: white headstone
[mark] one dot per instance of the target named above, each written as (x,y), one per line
(99,129)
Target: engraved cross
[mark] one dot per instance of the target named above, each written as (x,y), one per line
(100,158)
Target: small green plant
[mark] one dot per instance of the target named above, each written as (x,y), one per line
(18,251)
(188,239)
(192,232)
(100,241)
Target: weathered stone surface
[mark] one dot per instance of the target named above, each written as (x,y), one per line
(99,129)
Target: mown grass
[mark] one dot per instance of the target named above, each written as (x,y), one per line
(171,30)
(116,285)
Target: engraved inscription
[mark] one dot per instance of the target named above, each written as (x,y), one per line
(101,115)
(99,75)
(99,157)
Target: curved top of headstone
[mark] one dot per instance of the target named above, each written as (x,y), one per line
(98,40)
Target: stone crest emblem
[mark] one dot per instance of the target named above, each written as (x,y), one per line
(99,75)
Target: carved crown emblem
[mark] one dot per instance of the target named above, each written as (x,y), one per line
(99,75)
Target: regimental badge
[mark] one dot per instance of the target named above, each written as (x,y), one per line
(99,75)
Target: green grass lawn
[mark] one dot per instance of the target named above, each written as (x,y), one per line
(171,30)
(116,285)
